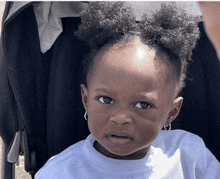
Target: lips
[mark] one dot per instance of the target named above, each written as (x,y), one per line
(120,134)
(119,138)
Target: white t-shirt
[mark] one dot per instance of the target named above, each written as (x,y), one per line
(175,154)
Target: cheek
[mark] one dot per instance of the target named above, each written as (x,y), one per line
(154,118)
(97,118)
(98,111)
(146,137)
(149,129)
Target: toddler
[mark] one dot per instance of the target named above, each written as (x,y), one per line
(133,76)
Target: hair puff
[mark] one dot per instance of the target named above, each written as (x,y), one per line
(171,28)
(103,21)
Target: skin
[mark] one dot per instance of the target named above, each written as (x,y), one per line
(128,101)
(211,14)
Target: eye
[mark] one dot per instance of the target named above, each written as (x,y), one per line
(143,105)
(106,100)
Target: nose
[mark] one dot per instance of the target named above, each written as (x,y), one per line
(121,119)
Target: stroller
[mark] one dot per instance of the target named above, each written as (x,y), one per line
(41,112)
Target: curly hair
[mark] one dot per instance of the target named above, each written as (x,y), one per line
(169,30)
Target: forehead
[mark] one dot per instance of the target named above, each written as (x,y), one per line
(130,69)
(130,59)
(133,55)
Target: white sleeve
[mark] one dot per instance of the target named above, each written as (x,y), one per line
(207,166)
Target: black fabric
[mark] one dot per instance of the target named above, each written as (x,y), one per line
(40,93)
(23,64)
(65,122)
(8,123)
(200,113)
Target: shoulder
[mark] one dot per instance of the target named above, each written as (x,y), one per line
(179,139)
(179,136)
(74,150)
(191,152)
(189,145)
(54,166)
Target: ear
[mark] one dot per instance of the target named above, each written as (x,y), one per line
(84,94)
(177,104)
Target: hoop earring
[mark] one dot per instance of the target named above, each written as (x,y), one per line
(165,127)
(86,116)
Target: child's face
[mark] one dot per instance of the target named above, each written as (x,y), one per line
(128,101)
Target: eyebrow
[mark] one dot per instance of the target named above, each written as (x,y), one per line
(143,95)
(105,90)
(148,95)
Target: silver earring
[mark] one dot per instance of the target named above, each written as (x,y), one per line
(86,116)
(165,127)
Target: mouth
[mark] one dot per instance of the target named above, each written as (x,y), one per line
(120,138)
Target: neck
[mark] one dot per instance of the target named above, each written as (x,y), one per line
(134,156)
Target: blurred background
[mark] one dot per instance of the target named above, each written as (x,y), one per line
(20,173)
(141,7)
(2,6)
